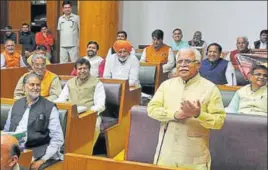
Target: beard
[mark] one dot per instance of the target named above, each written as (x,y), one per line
(91,53)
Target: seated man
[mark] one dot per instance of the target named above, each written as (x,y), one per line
(121,35)
(50,83)
(27,39)
(217,69)
(263,42)
(10,153)
(197,40)
(85,90)
(10,58)
(159,52)
(242,47)
(178,43)
(40,119)
(187,106)
(122,65)
(41,49)
(9,34)
(93,58)
(252,98)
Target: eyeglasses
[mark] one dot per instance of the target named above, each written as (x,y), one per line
(39,65)
(186,61)
(259,75)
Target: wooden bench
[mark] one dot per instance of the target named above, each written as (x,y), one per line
(115,135)
(11,76)
(80,162)
(79,128)
(25,158)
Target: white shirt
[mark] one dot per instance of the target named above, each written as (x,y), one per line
(3,62)
(129,70)
(230,75)
(94,64)
(166,67)
(69,27)
(262,46)
(55,132)
(99,97)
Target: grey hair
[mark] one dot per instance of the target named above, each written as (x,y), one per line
(37,56)
(10,41)
(242,37)
(28,76)
(195,51)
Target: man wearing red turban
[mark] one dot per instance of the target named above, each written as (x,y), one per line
(122,65)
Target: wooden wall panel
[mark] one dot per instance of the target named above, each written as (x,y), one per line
(99,21)
(19,12)
(53,13)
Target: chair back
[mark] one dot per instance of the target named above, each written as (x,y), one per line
(240,144)
(143,136)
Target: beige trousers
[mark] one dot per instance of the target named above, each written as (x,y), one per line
(68,54)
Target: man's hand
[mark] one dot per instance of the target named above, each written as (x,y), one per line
(191,109)
(36,164)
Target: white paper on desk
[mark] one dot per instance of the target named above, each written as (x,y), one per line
(81,109)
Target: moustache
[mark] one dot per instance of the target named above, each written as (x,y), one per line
(183,69)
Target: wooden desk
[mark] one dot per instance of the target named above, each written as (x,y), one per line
(11,76)
(79,162)
(26,158)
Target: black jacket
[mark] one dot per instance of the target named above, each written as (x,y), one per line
(27,39)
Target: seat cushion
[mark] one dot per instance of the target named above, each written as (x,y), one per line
(4,114)
(107,122)
(113,93)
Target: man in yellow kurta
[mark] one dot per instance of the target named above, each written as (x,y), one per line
(252,98)
(187,107)
(50,84)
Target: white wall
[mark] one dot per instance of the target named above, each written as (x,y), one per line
(219,21)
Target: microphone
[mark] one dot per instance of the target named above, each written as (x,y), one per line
(165,129)
(232,79)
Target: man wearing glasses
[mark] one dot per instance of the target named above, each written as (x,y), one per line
(187,106)
(252,98)
(9,57)
(50,82)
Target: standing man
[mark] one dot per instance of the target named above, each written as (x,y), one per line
(69,27)
(187,107)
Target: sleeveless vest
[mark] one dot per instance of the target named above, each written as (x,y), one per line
(159,56)
(37,129)
(82,95)
(12,60)
(215,72)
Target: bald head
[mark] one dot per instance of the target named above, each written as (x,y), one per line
(10,152)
